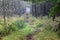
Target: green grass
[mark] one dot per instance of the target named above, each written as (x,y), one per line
(21,33)
(47,35)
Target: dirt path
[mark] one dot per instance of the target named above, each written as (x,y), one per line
(30,36)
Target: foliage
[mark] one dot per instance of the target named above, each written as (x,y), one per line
(58,29)
(55,9)
(16,25)
(18,30)
(37,23)
(13,27)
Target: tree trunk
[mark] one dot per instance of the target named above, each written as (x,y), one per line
(53,17)
(4,12)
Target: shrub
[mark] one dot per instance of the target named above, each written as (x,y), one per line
(58,29)
(9,28)
(19,24)
(16,25)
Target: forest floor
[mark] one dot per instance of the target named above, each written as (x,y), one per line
(34,30)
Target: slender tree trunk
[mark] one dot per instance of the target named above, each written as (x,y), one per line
(4,19)
(4,13)
(53,17)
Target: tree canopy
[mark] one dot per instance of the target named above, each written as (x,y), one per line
(55,10)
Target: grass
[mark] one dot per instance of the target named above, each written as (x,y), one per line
(21,34)
(46,35)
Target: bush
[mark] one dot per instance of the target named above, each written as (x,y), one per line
(58,29)
(9,28)
(19,24)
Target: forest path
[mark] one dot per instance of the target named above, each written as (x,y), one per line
(31,35)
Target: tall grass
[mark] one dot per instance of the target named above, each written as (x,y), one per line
(18,29)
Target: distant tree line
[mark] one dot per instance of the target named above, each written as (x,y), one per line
(45,7)
(42,8)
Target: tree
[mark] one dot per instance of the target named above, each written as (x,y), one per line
(7,6)
(55,10)
(4,11)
